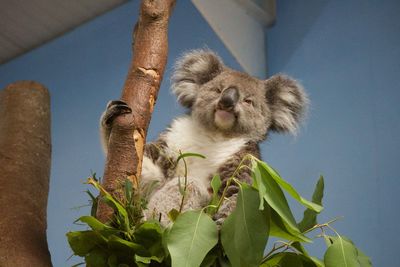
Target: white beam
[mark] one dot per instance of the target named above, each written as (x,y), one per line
(241,30)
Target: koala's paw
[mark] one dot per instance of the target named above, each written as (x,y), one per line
(225,210)
(114,109)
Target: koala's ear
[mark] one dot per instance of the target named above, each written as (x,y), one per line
(287,101)
(191,71)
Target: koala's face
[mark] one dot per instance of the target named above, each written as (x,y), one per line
(233,102)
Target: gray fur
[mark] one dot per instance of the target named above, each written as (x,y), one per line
(199,79)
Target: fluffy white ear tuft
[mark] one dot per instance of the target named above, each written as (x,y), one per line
(288,103)
(191,71)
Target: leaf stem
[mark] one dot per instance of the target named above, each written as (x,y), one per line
(185,182)
(276,248)
(232,178)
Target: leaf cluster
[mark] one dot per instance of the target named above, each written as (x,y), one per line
(193,239)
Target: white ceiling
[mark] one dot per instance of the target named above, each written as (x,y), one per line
(26,24)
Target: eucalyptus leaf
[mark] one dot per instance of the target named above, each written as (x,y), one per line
(289,188)
(186,155)
(302,250)
(273,195)
(94,223)
(128,190)
(147,260)
(124,246)
(173,214)
(94,201)
(297,245)
(98,258)
(280,229)
(149,235)
(82,242)
(112,202)
(363,259)
(258,183)
(244,233)
(288,259)
(215,186)
(112,260)
(310,216)
(341,253)
(191,237)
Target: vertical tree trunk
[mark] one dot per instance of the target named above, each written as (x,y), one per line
(128,135)
(25,151)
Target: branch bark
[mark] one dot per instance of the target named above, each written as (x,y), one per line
(25,152)
(128,134)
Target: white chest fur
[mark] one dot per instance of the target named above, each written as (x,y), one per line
(186,135)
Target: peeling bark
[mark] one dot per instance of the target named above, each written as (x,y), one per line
(25,151)
(128,134)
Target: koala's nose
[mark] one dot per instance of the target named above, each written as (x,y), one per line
(229,98)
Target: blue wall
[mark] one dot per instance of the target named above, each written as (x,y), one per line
(346,53)
(83,70)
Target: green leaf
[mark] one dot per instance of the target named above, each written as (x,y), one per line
(94,201)
(112,202)
(112,260)
(301,249)
(186,155)
(244,233)
(94,223)
(341,253)
(82,242)
(124,246)
(165,240)
(128,190)
(310,216)
(289,188)
(282,230)
(289,259)
(191,237)
(149,235)
(215,185)
(258,183)
(363,259)
(102,229)
(173,214)
(98,258)
(147,260)
(273,195)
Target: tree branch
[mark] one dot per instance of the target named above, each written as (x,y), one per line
(128,134)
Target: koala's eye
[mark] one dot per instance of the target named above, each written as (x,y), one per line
(248,101)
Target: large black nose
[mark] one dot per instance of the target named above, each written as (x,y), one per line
(229,98)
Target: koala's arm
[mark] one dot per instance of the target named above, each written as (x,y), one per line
(157,160)
(244,175)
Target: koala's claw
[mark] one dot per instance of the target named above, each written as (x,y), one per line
(114,109)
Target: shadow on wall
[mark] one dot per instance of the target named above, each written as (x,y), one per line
(301,26)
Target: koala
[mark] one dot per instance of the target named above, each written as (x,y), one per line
(229,114)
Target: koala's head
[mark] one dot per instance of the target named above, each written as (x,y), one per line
(235,103)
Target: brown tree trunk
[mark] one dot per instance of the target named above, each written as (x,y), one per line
(25,152)
(128,135)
